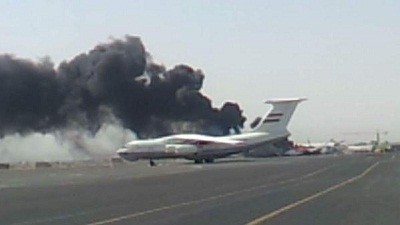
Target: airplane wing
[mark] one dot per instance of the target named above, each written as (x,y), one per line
(198,139)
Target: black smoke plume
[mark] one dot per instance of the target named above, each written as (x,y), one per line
(116,80)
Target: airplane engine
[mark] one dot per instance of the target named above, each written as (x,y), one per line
(183,149)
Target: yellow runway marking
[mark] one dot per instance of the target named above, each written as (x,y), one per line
(286,208)
(229,194)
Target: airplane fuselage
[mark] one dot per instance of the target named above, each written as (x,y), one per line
(173,147)
(206,148)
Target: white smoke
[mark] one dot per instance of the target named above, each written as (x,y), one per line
(64,146)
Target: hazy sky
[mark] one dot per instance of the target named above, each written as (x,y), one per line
(343,55)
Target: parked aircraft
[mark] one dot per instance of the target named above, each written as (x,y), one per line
(329,147)
(205,148)
(361,147)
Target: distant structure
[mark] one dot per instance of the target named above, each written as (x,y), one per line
(394,146)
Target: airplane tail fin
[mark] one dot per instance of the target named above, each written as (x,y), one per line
(275,122)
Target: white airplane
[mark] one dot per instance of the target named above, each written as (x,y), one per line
(321,148)
(361,147)
(205,148)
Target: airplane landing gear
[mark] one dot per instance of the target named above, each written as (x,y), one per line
(201,161)
(152,163)
(198,161)
(209,160)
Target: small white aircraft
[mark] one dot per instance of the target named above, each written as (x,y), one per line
(321,148)
(205,148)
(361,147)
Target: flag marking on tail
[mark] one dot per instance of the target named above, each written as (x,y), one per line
(273,117)
(271,120)
(275,114)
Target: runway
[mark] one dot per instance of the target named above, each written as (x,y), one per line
(330,189)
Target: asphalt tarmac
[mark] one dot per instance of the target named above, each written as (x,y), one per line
(332,189)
